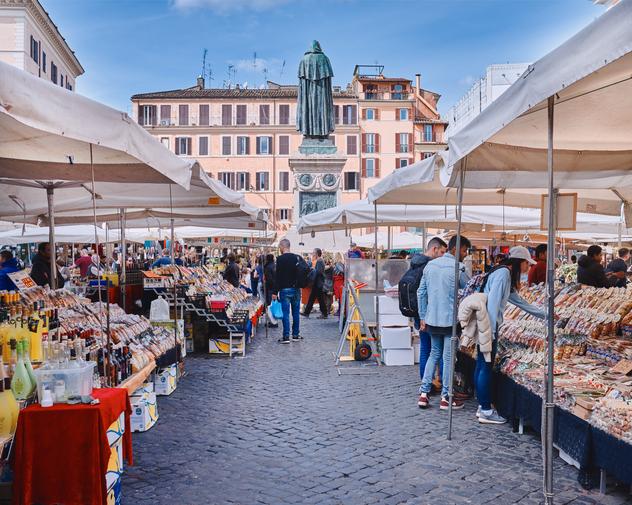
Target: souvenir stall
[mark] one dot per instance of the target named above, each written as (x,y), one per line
(46,144)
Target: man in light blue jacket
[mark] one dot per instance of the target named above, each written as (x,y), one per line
(436,309)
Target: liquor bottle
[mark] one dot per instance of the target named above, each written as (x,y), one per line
(35,327)
(8,405)
(29,366)
(13,357)
(21,384)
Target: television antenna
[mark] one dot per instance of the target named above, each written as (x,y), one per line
(282,69)
(204,62)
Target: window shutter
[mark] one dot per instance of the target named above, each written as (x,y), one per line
(154,115)
(141,118)
(411,161)
(354,114)
(377,142)
(410,114)
(352,147)
(363,167)
(177,145)
(337,114)
(364,142)
(165,113)
(258,148)
(270,146)
(284,114)
(189,147)
(363,113)
(183,115)
(398,145)
(377,168)
(284,144)
(227,112)
(204,115)
(247,145)
(397,113)
(264,114)
(247,181)
(225,146)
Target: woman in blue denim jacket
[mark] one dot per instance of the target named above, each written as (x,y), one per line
(502,286)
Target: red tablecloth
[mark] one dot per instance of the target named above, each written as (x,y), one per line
(61,453)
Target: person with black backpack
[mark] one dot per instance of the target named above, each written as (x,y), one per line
(292,274)
(408,286)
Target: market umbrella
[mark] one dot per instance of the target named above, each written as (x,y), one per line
(83,234)
(535,135)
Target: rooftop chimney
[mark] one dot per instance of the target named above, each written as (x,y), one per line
(418,83)
(200,82)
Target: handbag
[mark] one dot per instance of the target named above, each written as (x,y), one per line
(276,310)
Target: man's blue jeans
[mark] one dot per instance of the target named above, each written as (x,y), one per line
(440,346)
(483,377)
(290,301)
(424,354)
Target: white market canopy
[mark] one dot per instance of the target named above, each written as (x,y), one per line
(590,78)
(47,132)
(403,240)
(79,234)
(196,232)
(361,214)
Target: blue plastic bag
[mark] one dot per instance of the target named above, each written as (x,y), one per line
(276,310)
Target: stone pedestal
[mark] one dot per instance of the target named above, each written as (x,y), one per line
(317,169)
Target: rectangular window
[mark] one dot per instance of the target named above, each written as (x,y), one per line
(242,182)
(263,183)
(183,115)
(370,143)
(241,115)
(227,179)
(203,146)
(264,114)
(370,168)
(337,114)
(227,115)
(264,145)
(284,114)
(351,181)
(284,181)
(352,144)
(403,115)
(61,80)
(204,115)
(402,162)
(165,142)
(426,155)
(284,214)
(243,145)
(226,146)
(53,72)
(165,115)
(183,146)
(284,144)
(43,61)
(147,115)
(428,137)
(397,92)
(403,146)
(35,47)
(349,114)
(370,113)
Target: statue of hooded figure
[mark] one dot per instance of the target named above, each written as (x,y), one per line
(315,107)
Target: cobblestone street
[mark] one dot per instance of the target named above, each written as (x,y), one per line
(281,426)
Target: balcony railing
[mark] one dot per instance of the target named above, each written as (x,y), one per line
(383,95)
(432,138)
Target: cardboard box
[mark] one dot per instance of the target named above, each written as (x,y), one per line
(395,338)
(165,380)
(393,320)
(398,357)
(389,305)
(582,412)
(144,411)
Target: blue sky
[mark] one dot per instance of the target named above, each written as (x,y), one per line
(135,46)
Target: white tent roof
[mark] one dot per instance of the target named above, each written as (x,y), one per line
(590,77)
(361,214)
(46,133)
(194,232)
(403,240)
(78,234)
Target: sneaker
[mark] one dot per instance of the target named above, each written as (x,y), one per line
(423,402)
(478,412)
(296,338)
(284,341)
(304,315)
(445,404)
(493,418)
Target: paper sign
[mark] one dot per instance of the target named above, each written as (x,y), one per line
(623,367)
(214,200)
(22,280)
(565,209)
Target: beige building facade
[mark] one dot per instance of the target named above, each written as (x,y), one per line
(245,137)
(31,41)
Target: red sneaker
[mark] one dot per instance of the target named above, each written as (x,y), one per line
(456,404)
(423,401)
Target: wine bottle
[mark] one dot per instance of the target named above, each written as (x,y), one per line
(21,384)
(29,366)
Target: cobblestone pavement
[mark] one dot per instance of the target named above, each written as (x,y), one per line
(282,427)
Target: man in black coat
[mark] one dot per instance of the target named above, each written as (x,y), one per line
(231,273)
(40,272)
(590,271)
(318,280)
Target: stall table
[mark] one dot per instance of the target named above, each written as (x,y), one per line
(61,453)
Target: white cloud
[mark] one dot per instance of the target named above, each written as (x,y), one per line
(225,6)
(257,66)
(467,80)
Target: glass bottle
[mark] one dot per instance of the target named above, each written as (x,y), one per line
(21,384)
(8,405)
(29,366)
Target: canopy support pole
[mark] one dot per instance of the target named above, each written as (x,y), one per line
(175,286)
(454,340)
(549,405)
(424,238)
(50,197)
(389,237)
(123,277)
(377,280)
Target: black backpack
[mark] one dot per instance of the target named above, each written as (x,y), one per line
(303,271)
(408,286)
